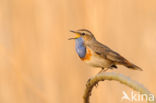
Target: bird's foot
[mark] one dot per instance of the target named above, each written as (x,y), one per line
(96,85)
(88,82)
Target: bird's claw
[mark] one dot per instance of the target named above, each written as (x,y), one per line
(88,82)
(96,85)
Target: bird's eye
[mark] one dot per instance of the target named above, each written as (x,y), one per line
(83,33)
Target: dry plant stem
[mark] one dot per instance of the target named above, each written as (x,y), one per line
(117,77)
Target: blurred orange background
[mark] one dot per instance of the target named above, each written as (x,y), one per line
(39,65)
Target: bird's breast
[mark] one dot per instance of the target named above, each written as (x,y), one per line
(95,60)
(87,55)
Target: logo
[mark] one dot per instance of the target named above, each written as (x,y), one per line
(133,97)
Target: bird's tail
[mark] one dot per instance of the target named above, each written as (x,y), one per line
(131,65)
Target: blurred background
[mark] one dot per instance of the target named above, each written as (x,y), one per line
(39,65)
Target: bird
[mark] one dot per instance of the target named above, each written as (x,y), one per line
(97,54)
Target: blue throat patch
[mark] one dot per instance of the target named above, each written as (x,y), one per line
(80,48)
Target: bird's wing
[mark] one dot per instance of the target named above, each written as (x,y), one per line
(111,55)
(107,53)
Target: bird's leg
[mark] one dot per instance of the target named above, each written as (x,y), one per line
(103,70)
(100,71)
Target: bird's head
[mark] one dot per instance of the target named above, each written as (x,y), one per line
(85,34)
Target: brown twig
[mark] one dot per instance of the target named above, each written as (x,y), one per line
(114,76)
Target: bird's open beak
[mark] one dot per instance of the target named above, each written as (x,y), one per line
(77,35)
